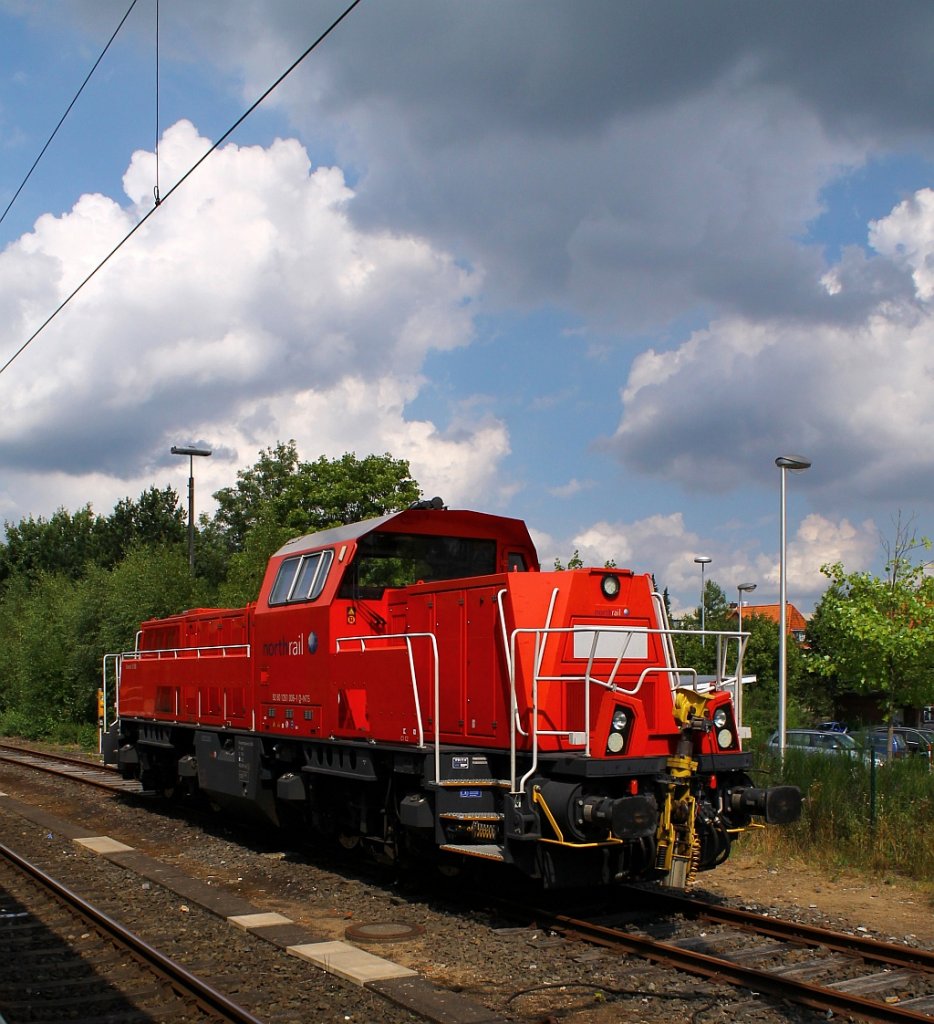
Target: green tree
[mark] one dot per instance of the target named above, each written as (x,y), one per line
(281,497)
(876,635)
(63,543)
(68,543)
(574,562)
(330,492)
(154,519)
(693,650)
(246,568)
(54,631)
(239,507)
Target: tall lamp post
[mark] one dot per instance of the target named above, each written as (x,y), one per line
(191,453)
(742,588)
(702,560)
(797,464)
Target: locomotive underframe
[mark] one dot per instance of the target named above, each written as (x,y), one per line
(580,822)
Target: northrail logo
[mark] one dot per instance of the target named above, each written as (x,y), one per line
(291,648)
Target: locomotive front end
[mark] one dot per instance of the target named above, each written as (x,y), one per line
(634,767)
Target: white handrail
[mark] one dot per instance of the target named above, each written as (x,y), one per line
(177,652)
(588,680)
(515,724)
(104,726)
(408,637)
(661,611)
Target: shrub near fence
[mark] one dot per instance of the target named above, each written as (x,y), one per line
(856,817)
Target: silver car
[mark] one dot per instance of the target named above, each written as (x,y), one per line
(817,741)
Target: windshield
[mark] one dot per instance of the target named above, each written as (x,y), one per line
(400,559)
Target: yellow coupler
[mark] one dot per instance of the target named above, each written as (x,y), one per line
(676,840)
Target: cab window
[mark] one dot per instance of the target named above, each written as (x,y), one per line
(301,578)
(386,560)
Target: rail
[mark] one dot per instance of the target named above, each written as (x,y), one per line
(204,997)
(436,683)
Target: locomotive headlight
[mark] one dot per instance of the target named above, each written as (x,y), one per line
(724,739)
(610,587)
(720,717)
(620,727)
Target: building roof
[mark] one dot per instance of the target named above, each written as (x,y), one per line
(794,620)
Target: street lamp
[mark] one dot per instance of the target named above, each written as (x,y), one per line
(742,588)
(702,560)
(797,464)
(191,453)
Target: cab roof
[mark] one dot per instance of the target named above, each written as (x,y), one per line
(438,522)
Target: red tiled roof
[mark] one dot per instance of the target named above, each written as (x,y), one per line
(795,621)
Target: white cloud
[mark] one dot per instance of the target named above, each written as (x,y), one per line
(906,236)
(571,488)
(664,546)
(248,309)
(818,541)
(854,397)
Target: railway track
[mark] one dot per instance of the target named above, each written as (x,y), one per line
(66,960)
(80,769)
(828,971)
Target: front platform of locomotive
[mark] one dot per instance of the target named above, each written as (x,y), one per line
(625,765)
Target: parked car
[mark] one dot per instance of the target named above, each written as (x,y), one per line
(817,741)
(917,742)
(831,726)
(878,740)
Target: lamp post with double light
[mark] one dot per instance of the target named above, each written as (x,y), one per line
(702,561)
(796,464)
(742,588)
(191,452)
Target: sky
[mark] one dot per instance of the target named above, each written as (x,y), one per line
(592,264)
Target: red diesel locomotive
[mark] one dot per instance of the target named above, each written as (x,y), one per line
(414,683)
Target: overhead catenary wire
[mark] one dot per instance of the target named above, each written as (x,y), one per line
(67,112)
(45,323)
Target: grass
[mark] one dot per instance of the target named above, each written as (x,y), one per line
(852,821)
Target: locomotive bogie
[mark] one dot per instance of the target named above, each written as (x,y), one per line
(415,684)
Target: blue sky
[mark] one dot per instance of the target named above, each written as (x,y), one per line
(591,265)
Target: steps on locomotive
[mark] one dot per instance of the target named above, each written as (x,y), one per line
(455,783)
(487,851)
(468,806)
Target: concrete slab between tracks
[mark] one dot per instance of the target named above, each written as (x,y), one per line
(258,920)
(404,987)
(348,962)
(103,844)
